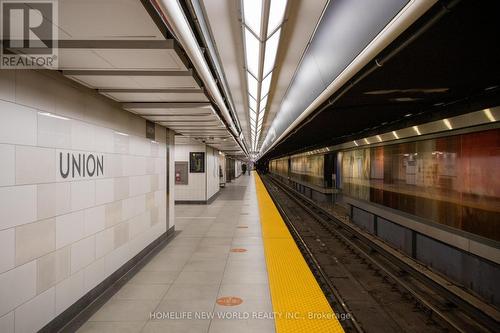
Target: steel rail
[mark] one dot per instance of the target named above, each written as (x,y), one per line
(337,298)
(309,206)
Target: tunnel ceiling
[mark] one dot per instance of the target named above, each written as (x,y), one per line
(451,68)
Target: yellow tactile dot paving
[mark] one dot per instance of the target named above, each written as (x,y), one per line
(298,301)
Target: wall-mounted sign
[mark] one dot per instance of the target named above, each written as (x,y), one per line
(196,162)
(78,165)
(181,173)
(150,130)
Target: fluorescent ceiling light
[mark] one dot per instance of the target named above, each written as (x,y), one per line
(266,84)
(261,49)
(271,51)
(252,103)
(261,116)
(252,52)
(448,124)
(252,11)
(276,15)
(263,102)
(489,115)
(417,130)
(252,85)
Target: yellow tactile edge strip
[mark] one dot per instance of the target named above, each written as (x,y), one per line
(298,301)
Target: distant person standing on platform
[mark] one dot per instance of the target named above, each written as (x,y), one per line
(244,168)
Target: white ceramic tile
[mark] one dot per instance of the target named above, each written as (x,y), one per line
(113,213)
(7,84)
(69,228)
(139,146)
(17,124)
(7,165)
(82,194)
(82,136)
(53,130)
(52,268)
(104,140)
(139,224)
(139,185)
(94,220)
(104,191)
(113,165)
(35,165)
(69,291)
(7,323)
(35,314)
(82,253)
(34,240)
(121,142)
(94,274)
(121,188)
(17,205)
(116,258)
(104,242)
(121,235)
(17,286)
(35,89)
(134,165)
(7,249)
(53,199)
(133,206)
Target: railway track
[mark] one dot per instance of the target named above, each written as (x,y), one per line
(380,292)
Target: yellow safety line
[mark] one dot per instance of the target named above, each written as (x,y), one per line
(298,301)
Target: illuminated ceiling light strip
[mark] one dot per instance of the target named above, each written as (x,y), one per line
(489,115)
(395,134)
(448,124)
(417,130)
(262,22)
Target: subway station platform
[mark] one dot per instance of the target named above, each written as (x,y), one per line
(232,267)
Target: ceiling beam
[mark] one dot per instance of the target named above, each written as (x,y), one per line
(97,72)
(166,105)
(116,44)
(154,91)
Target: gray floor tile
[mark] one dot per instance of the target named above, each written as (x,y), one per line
(125,310)
(154,277)
(246,291)
(199,277)
(242,326)
(191,291)
(111,327)
(142,291)
(176,326)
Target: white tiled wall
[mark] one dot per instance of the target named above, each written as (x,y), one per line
(201,186)
(60,237)
(212,169)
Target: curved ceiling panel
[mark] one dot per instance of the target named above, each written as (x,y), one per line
(346,28)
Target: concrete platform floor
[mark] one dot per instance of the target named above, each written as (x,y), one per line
(217,252)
